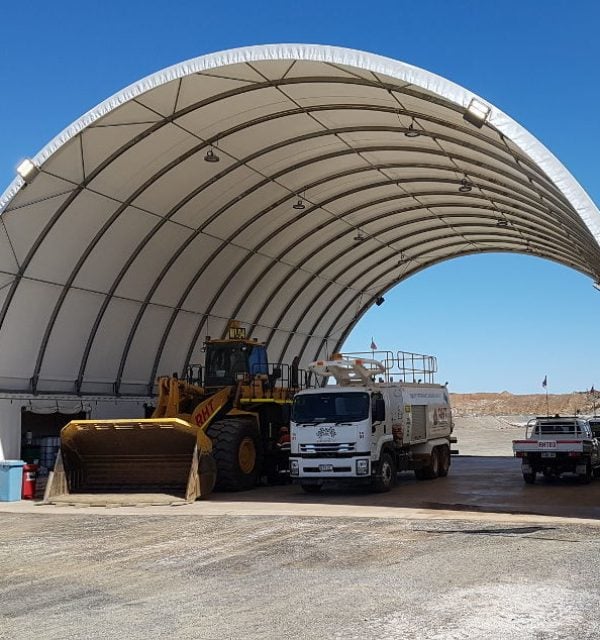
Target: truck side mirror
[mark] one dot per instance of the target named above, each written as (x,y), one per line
(379,410)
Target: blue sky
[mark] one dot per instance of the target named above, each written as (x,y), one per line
(495,322)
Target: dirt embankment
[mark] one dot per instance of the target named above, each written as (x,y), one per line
(504,404)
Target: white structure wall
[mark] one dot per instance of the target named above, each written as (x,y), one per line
(98,407)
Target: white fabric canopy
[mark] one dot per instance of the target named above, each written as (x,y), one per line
(129,248)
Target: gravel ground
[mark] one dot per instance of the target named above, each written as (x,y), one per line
(213,578)
(488,435)
(80,574)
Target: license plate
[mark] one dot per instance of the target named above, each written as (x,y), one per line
(547,444)
(325,467)
(548,454)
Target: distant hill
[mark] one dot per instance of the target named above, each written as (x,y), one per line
(504,404)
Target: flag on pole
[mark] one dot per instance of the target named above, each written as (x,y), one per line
(592,390)
(545,382)
(373,345)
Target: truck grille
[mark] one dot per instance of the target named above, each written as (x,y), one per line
(327,449)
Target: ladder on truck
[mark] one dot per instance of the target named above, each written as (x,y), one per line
(401,366)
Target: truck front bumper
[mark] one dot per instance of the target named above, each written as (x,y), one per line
(358,468)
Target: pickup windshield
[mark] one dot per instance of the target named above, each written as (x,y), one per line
(331,407)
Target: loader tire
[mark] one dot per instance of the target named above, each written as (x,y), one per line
(238,453)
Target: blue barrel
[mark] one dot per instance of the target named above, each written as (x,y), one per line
(11,480)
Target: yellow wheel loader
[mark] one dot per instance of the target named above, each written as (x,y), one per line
(218,427)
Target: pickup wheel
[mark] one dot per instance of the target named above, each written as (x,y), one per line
(386,474)
(529,477)
(585,478)
(444,461)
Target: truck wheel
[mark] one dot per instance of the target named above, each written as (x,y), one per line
(237,452)
(311,488)
(431,470)
(529,477)
(385,478)
(444,461)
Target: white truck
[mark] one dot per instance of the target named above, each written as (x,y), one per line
(367,427)
(557,445)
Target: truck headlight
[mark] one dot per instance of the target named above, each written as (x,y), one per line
(294,467)
(362,467)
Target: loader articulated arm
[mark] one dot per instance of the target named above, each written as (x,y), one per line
(212,407)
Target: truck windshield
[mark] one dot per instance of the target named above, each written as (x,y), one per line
(331,407)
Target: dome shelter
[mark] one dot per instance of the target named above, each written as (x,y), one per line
(286,186)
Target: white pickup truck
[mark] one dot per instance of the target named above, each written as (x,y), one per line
(556,445)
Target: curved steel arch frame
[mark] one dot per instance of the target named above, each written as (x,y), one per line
(549,213)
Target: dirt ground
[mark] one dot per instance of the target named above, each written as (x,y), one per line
(476,555)
(488,435)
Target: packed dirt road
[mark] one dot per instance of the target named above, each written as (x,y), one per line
(477,555)
(223,577)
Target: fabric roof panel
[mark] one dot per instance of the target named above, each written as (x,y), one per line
(139,163)
(241,71)
(273,69)
(194,89)
(109,341)
(144,346)
(129,113)
(192,174)
(25,224)
(72,231)
(143,271)
(273,160)
(244,210)
(163,99)
(277,130)
(101,143)
(175,349)
(68,338)
(196,206)
(309,94)
(212,277)
(105,260)
(220,116)
(66,163)
(185,264)
(27,317)
(44,187)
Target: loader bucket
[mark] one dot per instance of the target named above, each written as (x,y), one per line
(121,461)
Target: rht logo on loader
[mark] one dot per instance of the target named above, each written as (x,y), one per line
(205,413)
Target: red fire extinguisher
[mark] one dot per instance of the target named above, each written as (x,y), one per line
(29,478)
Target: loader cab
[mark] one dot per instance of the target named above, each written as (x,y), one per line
(229,360)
